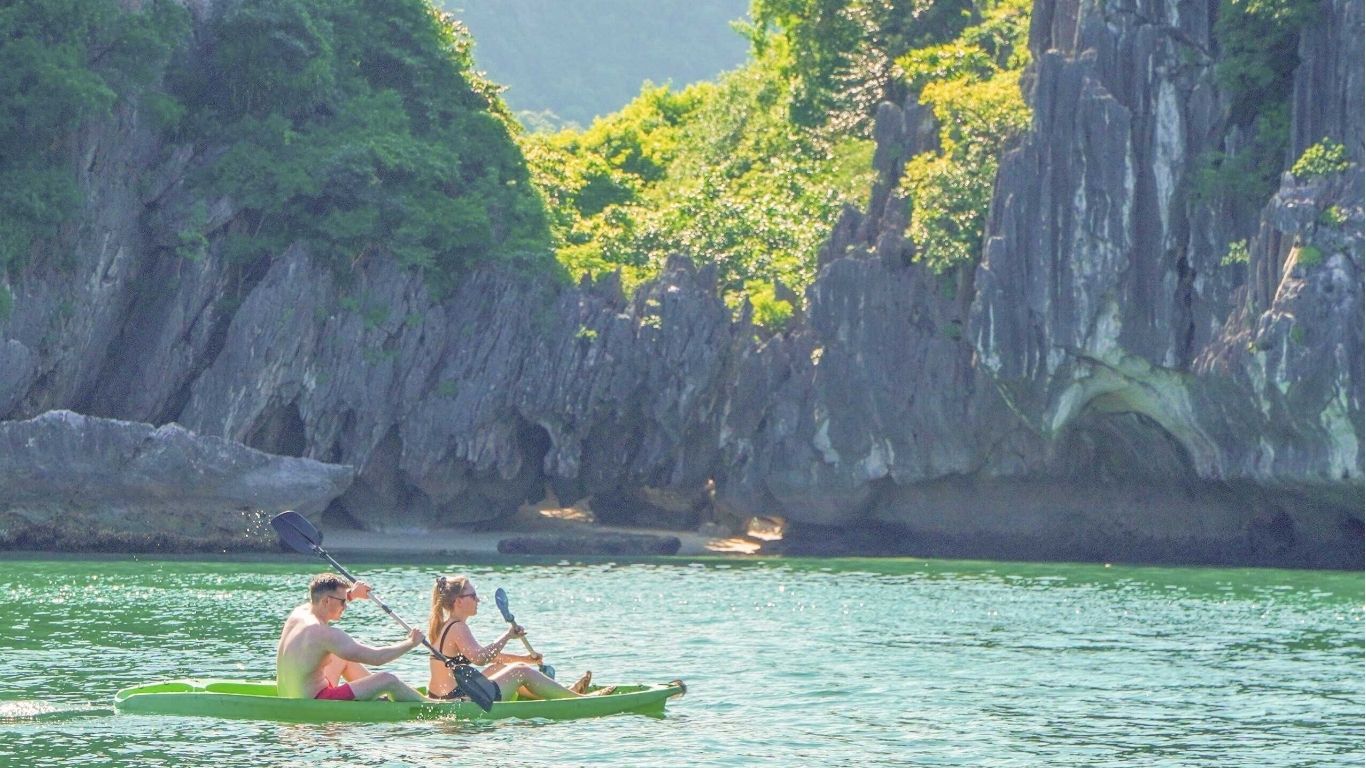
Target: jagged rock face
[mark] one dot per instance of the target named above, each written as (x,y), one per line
(62,329)
(84,483)
(1090,248)
(459,410)
(876,390)
(1101,289)
(1101,387)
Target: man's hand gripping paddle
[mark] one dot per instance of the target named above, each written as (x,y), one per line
(501,598)
(300,535)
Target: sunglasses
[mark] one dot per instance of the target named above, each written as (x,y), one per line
(474,595)
(343,600)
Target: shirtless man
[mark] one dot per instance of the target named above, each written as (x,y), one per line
(313,658)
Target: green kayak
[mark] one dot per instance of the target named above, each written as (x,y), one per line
(257,701)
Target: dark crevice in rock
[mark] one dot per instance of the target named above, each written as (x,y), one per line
(1183,320)
(1106,446)
(875,540)
(1097,520)
(377,487)
(281,431)
(337,516)
(242,279)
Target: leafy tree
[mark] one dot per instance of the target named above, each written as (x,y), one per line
(1257,52)
(63,63)
(716,171)
(359,126)
(838,55)
(972,84)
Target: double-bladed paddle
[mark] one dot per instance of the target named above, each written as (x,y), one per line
(500,596)
(301,536)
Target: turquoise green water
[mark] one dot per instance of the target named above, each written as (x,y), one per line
(822,663)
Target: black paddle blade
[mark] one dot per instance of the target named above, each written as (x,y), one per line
(296,532)
(471,682)
(501,598)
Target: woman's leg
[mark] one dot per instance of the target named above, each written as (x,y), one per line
(522,692)
(532,680)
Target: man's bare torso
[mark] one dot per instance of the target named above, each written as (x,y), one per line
(302,659)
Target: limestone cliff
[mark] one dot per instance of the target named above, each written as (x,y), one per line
(1101,386)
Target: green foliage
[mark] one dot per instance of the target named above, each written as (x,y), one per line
(1308,256)
(770,312)
(1257,42)
(998,42)
(716,171)
(749,173)
(838,55)
(1237,253)
(1250,176)
(1325,158)
(63,63)
(1255,64)
(1333,216)
(972,84)
(192,244)
(359,127)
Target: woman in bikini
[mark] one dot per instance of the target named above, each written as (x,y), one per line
(454,601)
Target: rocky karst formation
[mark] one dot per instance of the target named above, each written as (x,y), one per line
(1101,386)
(80,482)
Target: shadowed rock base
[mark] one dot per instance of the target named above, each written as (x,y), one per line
(1204,524)
(596,544)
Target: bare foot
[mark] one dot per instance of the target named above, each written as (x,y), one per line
(581,685)
(606,690)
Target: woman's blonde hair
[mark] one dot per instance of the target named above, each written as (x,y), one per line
(444,592)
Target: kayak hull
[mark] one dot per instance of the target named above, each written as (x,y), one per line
(239,699)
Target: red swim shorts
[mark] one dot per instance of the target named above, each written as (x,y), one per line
(341,692)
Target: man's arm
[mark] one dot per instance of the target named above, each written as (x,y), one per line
(344,647)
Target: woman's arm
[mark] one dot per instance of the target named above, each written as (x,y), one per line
(507,658)
(459,639)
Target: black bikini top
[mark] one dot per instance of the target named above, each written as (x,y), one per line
(442,642)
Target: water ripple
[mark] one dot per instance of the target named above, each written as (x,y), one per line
(834,662)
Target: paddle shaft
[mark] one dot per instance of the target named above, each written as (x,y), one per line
(529,649)
(320,552)
(501,598)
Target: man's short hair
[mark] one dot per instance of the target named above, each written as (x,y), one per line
(325,584)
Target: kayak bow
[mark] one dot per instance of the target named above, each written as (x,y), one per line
(241,699)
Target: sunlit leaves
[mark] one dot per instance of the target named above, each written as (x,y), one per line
(972,85)
(717,171)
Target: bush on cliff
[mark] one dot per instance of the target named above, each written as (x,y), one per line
(1324,158)
(1256,54)
(972,85)
(361,128)
(716,171)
